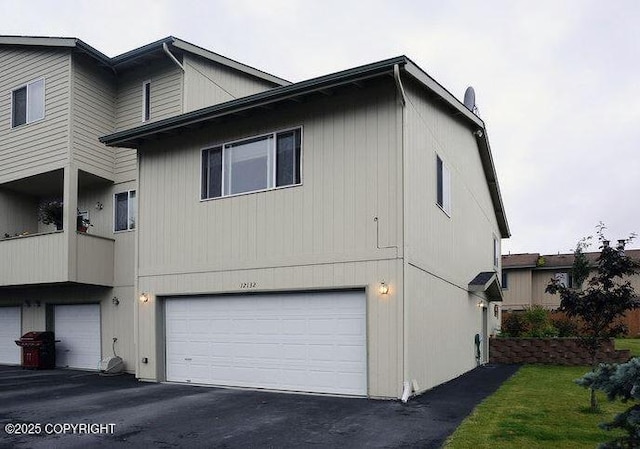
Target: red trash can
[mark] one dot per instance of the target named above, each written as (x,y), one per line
(38,350)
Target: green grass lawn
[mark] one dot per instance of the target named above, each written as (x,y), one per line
(539,407)
(632,344)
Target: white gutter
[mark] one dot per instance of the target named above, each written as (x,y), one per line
(173,58)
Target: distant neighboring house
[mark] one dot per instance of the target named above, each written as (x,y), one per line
(337,235)
(526,276)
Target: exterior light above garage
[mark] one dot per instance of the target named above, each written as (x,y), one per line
(144,297)
(384,288)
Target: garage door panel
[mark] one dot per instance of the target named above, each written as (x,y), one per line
(10,326)
(304,342)
(77,327)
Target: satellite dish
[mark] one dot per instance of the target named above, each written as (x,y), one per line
(470,98)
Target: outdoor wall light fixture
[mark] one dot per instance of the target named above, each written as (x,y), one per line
(384,288)
(144,297)
(99,205)
(115,300)
(481,304)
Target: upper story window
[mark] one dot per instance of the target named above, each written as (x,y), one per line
(505,281)
(443,177)
(146,101)
(254,164)
(496,252)
(125,211)
(27,103)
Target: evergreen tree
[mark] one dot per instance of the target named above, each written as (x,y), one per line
(619,382)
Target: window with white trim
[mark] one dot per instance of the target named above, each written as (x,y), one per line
(565,279)
(496,252)
(258,163)
(27,103)
(125,208)
(443,177)
(146,101)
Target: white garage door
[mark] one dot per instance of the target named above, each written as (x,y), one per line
(9,333)
(313,342)
(78,329)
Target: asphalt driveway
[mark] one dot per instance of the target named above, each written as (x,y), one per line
(75,409)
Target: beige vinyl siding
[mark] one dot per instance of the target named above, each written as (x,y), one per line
(102,225)
(18,213)
(384,313)
(518,294)
(116,320)
(43,145)
(35,259)
(539,281)
(94,256)
(207,83)
(166,94)
(443,253)
(93,116)
(126,164)
(321,234)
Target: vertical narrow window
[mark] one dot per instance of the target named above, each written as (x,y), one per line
(443,189)
(496,252)
(125,205)
(146,101)
(27,103)
(212,173)
(288,158)
(19,107)
(505,280)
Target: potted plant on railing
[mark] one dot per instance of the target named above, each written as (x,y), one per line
(82,223)
(50,213)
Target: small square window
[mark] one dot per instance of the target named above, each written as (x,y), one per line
(27,103)
(125,208)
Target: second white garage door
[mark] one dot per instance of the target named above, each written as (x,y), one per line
(77,328)
(9,333)
(313,342)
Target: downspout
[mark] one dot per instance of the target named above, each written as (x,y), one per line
(407,385)
(400,88)
(165,48)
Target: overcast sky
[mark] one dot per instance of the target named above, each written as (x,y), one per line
(557,82)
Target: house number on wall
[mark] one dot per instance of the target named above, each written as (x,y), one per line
(248,285)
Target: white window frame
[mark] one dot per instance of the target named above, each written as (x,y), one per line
(26,85)
(272,174)
(446,186)
(565,278)
(146,114)
(129,215)
(496,252)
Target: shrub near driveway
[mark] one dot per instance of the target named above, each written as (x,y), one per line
(539,407)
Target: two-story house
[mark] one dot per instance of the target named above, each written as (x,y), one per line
(58,95)
(337,235)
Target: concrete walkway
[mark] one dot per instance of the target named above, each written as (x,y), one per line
(148,415)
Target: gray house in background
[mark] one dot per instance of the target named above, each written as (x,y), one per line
(337,235)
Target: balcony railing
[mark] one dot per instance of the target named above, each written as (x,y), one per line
(44,259)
